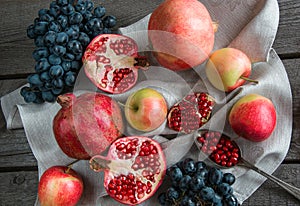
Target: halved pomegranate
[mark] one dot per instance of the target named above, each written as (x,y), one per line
(111,62)
(191,112)
(133,169)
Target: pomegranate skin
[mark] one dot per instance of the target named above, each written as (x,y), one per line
(87,125)
(181,33)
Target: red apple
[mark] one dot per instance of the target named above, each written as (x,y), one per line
(60,186)
(253,117)
(228,68)
(146,109)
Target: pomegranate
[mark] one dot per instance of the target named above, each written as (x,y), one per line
(133,169)
(191,112)
(181,33)
(219,147)
(86,125)
(111,62)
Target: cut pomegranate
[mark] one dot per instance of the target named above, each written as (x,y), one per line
(220,148)
(133,169)
(111,62)
(191,112)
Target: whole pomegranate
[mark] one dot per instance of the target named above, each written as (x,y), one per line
(181,33)
(133,169)
(191,112)
(86,125)
(111,62)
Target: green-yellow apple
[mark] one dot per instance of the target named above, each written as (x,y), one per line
(60,186)
(228,68)
(146,109)
(253,117)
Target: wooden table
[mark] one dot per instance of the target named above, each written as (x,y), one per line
(18,166)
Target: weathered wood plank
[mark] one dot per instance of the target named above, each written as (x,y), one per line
(16,48)
(21,187)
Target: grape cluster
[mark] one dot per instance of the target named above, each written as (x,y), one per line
(194,184)
(61,34)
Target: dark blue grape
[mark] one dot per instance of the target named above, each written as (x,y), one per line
(80,8)
(94,24)
(188,166)
(39,41)
(54,59)
(62,2)
(54,26)
(228,178)
(68,57)
(53,4)
(66,65)
(63,21)
(217,201)
(76,65)
(107,31)
(109,21)
(75,18)
(75,27)
(57,91)
(42,65)
(44,76)
(197,184)
(48,85)
(202,173)
(70,78)
(58,83)
(175,173)
(47,18)
(200,165)
(30,32)
(29,96)
(72,33)
(96,33)
(42,12)
(74,47)
(215,176)
(54,11)
(62,38)
(162,199)
(172,194)
(34,79)
(56,71)
(187,201)
(67,9)
(81,2)
(99,11)
(41,52)
(184,182)
(39,99)
(84,39)
(224,189)
(40,28)
(24,90)
(87,15)
(89,5)
(59,50)
(48,96)
(49,38)
(230,200)
(207,193)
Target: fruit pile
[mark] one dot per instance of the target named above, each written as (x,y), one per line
(61,34)
(194,183)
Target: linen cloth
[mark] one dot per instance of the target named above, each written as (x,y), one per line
(250,26)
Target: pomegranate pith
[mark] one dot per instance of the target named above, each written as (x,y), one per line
(134,169)
(111,62)
(191,112)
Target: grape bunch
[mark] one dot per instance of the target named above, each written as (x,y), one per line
(61,34)
(196,184)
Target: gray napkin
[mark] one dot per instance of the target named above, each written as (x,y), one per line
(250,26)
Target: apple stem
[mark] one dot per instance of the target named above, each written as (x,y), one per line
(249,80)
(70,165)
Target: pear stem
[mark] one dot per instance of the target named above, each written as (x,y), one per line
(249,80)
